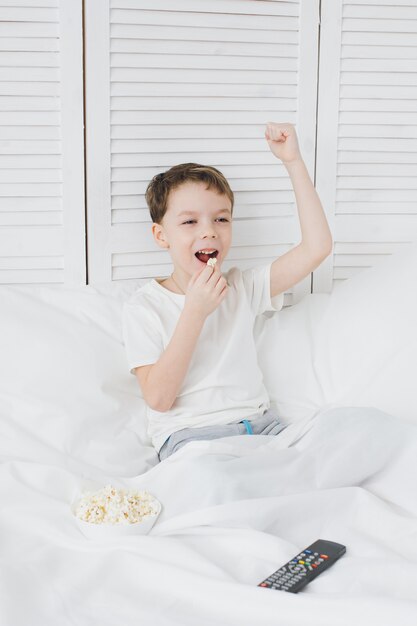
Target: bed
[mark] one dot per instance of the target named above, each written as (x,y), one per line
(340,368)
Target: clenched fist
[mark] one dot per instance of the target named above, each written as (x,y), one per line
(283,142)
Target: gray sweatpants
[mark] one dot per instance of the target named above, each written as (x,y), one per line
(267,424)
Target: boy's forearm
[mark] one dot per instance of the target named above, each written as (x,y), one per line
(315,231)
(167,375)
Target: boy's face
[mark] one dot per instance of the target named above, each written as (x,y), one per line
(196,219)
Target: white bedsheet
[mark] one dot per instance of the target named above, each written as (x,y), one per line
(339,368)
(234,510)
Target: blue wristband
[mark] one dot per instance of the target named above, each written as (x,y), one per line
(248,427)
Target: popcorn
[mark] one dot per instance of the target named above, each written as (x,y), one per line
(116,506)
(212,261)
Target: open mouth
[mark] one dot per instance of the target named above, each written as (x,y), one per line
(205,256)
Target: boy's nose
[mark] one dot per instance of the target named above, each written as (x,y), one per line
(208,233)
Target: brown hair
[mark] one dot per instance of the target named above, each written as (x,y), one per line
(157,191)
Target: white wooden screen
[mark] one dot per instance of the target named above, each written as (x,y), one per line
(42,234)
(367,132)
(194,81)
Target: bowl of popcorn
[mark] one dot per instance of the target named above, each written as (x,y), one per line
(112,511)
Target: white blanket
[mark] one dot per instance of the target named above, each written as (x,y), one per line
(234,510)
(340,369)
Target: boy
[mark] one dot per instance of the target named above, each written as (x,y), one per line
(189,337)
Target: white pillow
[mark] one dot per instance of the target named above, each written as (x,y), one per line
(354,347)
(64,379)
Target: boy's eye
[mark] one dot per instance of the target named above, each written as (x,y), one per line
(191,221)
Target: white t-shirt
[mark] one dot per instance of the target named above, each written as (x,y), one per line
(223,383)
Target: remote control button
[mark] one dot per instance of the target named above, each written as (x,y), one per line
(324,556)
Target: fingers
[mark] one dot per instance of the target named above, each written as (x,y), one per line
(223,291)
(216,276)
(207,273)
(277,132)
(221,283)
(210,284)
(203,275)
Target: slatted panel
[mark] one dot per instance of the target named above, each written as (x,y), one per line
(191,82)
(375,151)
(199,86)
(40,134)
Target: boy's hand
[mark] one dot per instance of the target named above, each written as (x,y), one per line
(205,290)
(283,142)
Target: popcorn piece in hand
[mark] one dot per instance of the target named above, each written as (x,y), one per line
(212,261)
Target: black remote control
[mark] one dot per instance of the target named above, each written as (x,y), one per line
(304,567)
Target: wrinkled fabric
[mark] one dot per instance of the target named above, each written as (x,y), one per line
(234,510)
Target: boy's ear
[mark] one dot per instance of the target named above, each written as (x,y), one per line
(159,235)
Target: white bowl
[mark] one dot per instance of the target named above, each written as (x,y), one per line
(107,531)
